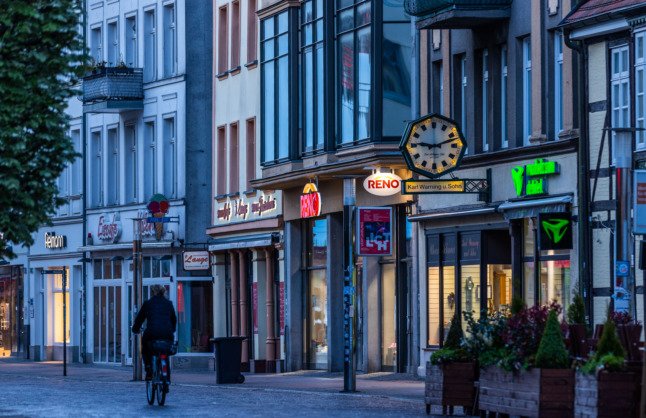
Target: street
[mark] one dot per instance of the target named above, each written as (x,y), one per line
(39,390)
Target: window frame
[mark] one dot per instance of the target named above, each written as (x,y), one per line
(221,160)
(621,80)
(130,157)
(170,34)
(170,144)
(131,40)
(96,167)
(236,33)
(113,165)
(504,77)
(150,45)
(639,101)
(252,32)
(234,157)
(558,83)
(112,31)
(150,149)
(527,89)
(223,40)
(485,100)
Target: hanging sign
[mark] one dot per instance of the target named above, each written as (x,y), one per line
(382,184)
(639,202)
(531,179)
(196,260)
(555,231)
(310,201)
(374,230)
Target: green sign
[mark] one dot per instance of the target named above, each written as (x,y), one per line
(555,231)
(531,179)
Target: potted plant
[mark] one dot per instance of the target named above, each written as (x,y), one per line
(451,374)
(577,329)
(529,375)
(605,385)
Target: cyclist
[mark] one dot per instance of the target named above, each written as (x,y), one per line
(161,322)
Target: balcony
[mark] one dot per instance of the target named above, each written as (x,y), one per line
(113,90)
(457,14)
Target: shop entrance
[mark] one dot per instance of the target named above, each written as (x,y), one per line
(316,340)
(11,319)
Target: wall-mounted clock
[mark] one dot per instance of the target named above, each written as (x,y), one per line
(433,145)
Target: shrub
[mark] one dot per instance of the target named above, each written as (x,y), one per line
(576,310)
(609,342)
(455,335)
(449,355)
(552,353)
(484,337)
(517,305)
(609,362)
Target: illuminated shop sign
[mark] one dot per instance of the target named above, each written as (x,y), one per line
(310,201)
(382,184)
(53,241)
(555,231)
(196,260)
(245,209)
(531,179)
(109,228)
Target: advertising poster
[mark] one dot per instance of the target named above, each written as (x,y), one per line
(374,231)
(639,202)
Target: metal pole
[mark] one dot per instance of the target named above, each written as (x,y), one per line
(349,289)
(64,322)
(136,298)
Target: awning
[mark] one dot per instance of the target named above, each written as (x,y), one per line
(427,216)
(526,208)
(246,241)
(126,246)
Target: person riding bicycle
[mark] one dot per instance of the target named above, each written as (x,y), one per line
(161,322)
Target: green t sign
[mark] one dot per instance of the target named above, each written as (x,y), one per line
(531,179)
(555,231)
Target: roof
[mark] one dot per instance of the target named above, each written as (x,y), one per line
(594,9)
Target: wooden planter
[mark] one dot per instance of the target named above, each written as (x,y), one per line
(607,395)
(630,334)
(533,393)
(449,385)
(578,340)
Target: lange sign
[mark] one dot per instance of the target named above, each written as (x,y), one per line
(196,260)
(310,201)
(382,184)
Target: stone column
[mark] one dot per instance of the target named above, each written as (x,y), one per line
(244,316)
(233,256)
(271,320)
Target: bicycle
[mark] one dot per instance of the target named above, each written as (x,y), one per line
(160,383)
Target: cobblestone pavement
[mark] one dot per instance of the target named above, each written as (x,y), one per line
(39,390)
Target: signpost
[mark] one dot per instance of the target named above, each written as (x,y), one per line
(63,273)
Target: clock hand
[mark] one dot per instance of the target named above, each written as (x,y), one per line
(426,144)
(446,142)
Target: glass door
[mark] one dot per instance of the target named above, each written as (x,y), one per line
(316,342)
(6,318)
(388,317)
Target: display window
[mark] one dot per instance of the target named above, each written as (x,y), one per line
(317,305)
(194,316)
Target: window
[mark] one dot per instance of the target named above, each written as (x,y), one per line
(77,169)
(463,97)
(130,152)
(234,159)
(620,89)
(96,45)
(113,44)
(155,268)
(170,41)
(221,161)
(527,90)
(150,46)
(504,140)
(438,88)
(113,167)
(150,161)
(251,152)
(354,49)
(316,341)
(235,35)
(395,70)
(194,316)
(131,41)
(223,51)
(276,87)
(558,83)
(96,168)
(58,308)
(313,70)
(252,32)
(170,158)
(441,286)
(640,87)
(485,100)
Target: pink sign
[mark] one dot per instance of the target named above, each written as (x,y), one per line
(109,229)
(374,226)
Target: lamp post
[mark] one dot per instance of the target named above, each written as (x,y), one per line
(349,287)
(137,299)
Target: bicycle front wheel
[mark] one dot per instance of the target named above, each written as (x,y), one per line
(161,394)
(150,392)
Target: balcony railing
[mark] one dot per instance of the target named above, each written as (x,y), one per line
(113,90)
(457,14)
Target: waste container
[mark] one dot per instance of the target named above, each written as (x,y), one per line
(227,352)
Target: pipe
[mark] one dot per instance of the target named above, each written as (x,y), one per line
(83,309)
(244,314)
(271,320)
(235,332)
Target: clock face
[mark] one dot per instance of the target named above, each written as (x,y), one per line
(433,146)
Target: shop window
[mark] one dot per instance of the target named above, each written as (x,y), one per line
(316,342)
(194,316)
(59,337)
(441,286)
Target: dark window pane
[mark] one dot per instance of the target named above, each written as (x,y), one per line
(308,98)
(268,111)
(396,78)
(146,267)
(107,269)
(394,10)
(98,269)
(116,269)
(283,44)
(363,14)
(320,96)
(340,4)
(363,120)
(283,108)
(165,268)
(346,21)
(346,70)
(268,50)
(318,254)
(155,270)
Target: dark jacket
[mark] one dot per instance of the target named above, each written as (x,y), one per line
(159,314)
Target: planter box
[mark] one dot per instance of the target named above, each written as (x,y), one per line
(451,384)
(533,393)
(607,395)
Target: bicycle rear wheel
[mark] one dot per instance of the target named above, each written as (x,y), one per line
(150,392)
(161,394)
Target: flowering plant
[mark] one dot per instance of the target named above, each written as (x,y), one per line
(484,341)
(622,318)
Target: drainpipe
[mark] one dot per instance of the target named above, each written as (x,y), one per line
(83,347)
(583,177)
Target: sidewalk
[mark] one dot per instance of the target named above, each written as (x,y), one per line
(389,385)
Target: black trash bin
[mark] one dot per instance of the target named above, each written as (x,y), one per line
(228,352)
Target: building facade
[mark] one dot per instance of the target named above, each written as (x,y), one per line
(335,98)
(611,39)
(501,71)
(246,222)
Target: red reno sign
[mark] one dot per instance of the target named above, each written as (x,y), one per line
(310,201)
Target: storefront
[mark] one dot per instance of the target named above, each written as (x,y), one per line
(314,275)
(246,247)
(478,255)
(12,328)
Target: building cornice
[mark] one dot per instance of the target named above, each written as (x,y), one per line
(259,225)
(276,8)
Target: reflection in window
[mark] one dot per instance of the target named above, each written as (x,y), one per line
(396,77)
(555,282)
(471,291)
(194,316)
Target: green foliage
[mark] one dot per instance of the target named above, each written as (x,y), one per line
(449,355)
(484,337)
(609,362)
(41,58)
(576,310)
(455,335)
(609,342)
(552,353)
(517,305)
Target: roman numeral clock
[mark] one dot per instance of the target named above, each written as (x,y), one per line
(433,146)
